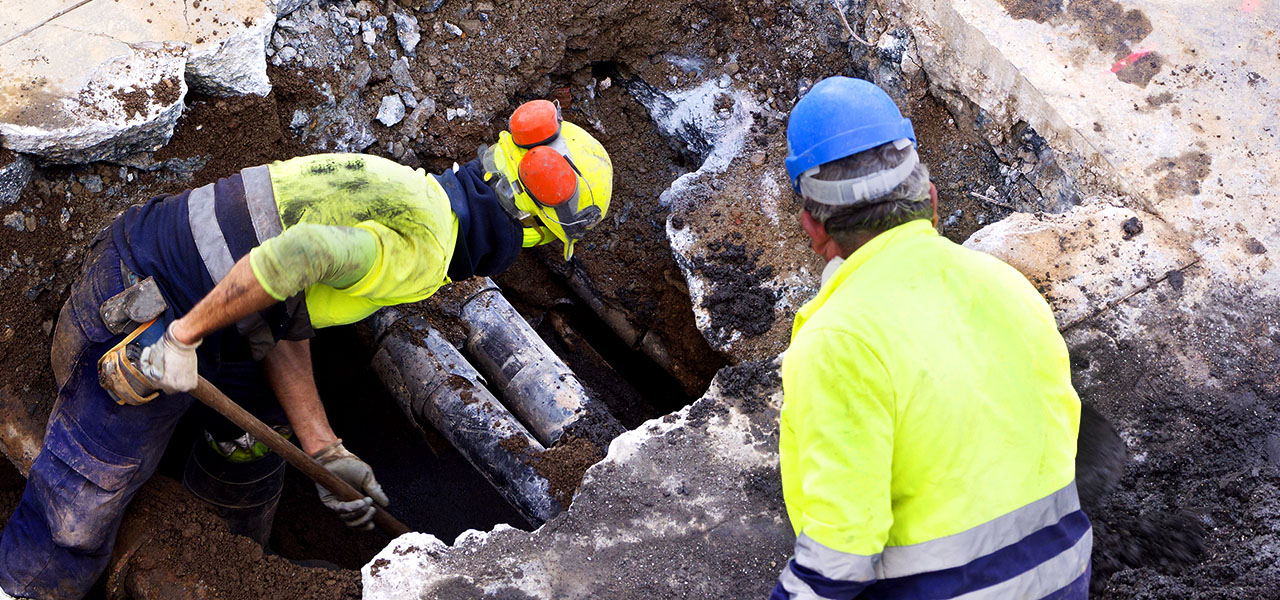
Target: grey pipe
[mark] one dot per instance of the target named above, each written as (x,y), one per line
(434,384)
(536,385)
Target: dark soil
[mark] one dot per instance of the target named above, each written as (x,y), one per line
(177,547)
(740,301)
(225,135)
(1196,513)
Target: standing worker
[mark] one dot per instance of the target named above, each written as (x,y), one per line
(928,427)
(241,272)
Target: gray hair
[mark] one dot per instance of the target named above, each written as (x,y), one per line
(850,226)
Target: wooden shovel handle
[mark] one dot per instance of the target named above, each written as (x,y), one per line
(213,397)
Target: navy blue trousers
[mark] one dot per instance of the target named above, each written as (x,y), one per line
(96,454)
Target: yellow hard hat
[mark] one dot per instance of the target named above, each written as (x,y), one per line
(552,170)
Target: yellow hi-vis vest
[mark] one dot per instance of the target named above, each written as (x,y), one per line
(928,422)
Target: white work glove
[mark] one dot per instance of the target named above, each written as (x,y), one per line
(170,364)
(349,468)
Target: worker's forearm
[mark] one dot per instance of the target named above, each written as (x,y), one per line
(288,368)
(237,296)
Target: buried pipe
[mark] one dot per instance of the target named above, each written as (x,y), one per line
(435,385)
(537,386)
(647,341)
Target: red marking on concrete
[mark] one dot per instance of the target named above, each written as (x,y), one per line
(1250,5)
(1128,60)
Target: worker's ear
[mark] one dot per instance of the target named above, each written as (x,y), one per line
(933,197)
(818,238)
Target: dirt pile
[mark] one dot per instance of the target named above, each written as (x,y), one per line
(174,546)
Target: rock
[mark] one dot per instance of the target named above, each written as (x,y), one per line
(363,73)
(432,7)
(284,7)
(15,174)
(287,54)
(92,184)
(418,118)
(104,79)
(300,119)
(453,29)
(472,27)
(15,221)
(400,74)
(407,32)
(391,111)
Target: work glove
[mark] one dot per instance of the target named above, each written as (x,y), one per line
(170,364)
(349,468)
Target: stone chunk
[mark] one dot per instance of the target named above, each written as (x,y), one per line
(391,111)
(400,74)
(15,174)
(418,118)
(407,32)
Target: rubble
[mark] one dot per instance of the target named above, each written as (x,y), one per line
(391,111)
(407,32)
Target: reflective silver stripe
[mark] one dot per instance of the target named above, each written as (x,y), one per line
(1050,576)
(208,235)
(834,564)
(796,588)
(961,548)
(260,198)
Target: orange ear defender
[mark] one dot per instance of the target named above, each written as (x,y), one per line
(547,176)
(535,123)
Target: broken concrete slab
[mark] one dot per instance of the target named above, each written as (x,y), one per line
(1087,259)
(688,506)
(74,105)
(128,103)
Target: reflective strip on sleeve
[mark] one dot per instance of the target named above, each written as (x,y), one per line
(1043,580)
(260,198)
(208,234)
(834,564)
(961,548)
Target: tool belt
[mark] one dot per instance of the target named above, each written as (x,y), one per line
(133,310)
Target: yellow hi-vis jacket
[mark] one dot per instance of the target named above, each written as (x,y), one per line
(928,432)
(406,210)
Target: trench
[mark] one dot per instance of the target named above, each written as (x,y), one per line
(433,488)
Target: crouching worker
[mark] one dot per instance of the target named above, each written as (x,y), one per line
(240,272)
(928,428)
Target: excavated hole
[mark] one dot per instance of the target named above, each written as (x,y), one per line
(432,487)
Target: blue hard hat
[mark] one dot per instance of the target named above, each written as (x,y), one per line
(839,117)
